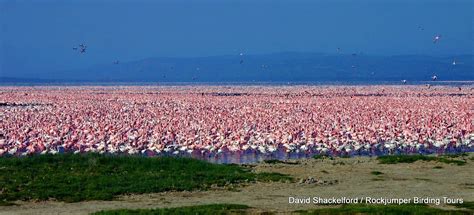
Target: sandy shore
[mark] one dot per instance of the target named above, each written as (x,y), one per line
(341,177)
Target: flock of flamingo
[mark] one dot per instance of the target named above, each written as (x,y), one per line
(211,120)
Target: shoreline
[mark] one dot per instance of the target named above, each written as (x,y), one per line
(349,177)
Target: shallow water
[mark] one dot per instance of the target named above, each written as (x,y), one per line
(251,156)
(254,156)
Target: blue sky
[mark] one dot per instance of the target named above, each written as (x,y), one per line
(40,34)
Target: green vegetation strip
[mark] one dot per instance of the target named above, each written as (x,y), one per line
(456,155)
(243,209)
(322,157)
(191,210)
(381,209)
(467,205)
(394,159)
(274,161)
(74,178)
(5,203)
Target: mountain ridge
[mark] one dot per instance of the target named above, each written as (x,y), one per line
(277,67)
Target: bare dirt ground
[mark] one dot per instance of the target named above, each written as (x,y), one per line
(342,177)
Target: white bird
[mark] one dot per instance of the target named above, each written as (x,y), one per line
(324,150)
(303,148)
(272,148)
(436,38)
(262,149)
(438,144)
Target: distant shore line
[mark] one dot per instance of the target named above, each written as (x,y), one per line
(230,83)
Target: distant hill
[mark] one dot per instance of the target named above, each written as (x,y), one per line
(281,67)
(23,80)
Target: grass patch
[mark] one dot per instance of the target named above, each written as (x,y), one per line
(466,205)
(376,173)
(455,155)
(394,159)
(418,209)
(73,178)
(192,210)
(274,161)
(5,203)
(423,179)
(451,161)
(381,209)
(322,157)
